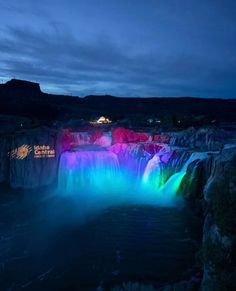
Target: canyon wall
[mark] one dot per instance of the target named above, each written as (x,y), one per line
(29,159)
(4,158)
(205,139)
(22,168)
(219,233)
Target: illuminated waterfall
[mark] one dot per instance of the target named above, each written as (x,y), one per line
(88,171)
(170,188)
(152,172)
(102,173)
(152,182)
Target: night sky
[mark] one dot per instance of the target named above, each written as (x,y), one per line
(121,47)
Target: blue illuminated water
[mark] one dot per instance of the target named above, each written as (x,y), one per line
(103,227)
(99,176)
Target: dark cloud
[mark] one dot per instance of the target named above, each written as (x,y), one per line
(64,61)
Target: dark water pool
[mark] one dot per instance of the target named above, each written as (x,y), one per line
(125,243)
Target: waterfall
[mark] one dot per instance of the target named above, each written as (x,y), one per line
(121,176)
(152,172)
(172,185)
(152,177)
(87,170)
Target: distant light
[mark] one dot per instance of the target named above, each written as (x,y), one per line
(179,121)
(150,120)
(101,120)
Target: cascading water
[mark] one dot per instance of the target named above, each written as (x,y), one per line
(173,183)
(87,170)
(120,177)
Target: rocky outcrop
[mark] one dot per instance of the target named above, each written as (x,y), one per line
(209,187)
(194,181)
(191,285)
(205,139)
(122,135)
(219,233)
(22,88)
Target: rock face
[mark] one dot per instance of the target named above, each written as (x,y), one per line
(30,160)
(33,159)
(20,87)
(219,234)
(121,135)
(206,139)
(4,160)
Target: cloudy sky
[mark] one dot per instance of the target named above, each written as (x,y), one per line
(121,47)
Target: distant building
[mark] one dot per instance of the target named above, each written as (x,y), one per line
(153,120)
(102,120)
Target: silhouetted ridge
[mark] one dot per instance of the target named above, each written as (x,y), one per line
(25,98)
(22,87)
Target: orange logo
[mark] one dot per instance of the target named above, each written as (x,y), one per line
(21,152)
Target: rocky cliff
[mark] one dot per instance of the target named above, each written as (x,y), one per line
(24,98)
(29,159)
(219,232)
(4,160)
(205,139)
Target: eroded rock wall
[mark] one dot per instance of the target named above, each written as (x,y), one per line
(4,158)
(33,158)
(219,233)
(206,139)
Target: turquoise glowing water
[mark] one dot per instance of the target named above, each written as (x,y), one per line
(79,247)
(99,176)
(39,251)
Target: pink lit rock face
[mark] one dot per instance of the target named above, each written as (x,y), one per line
(66,139)
(80,138)
(160,138)
(96,134)
(121,135)
(70,140)
(151,148)
(122,148)
(103,141)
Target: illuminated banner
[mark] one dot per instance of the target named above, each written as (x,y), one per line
(40,151)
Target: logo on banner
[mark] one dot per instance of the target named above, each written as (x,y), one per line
(40,151)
